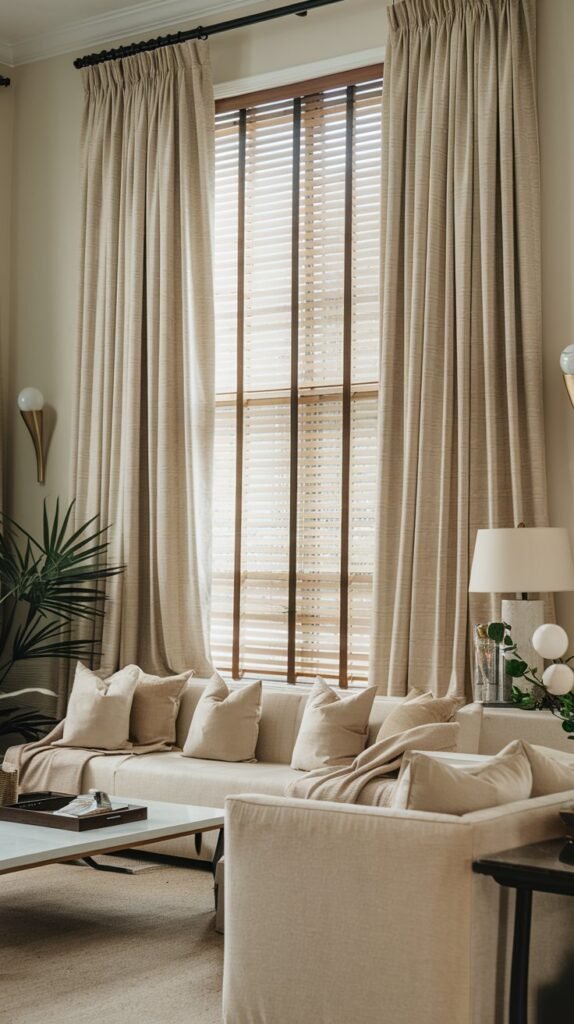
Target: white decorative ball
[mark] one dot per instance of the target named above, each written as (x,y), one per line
(567,359)
(30,400)
(558,679)
(550,641)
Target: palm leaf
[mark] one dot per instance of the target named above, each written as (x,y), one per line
(31,725)
(50,585)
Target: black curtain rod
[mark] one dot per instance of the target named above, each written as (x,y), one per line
(200,32)
(4,81)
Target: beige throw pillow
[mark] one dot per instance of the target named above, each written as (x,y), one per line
(155,707)
(333,730)
(421,709)
(428,784)
(550,773)
(98,714)
(225,723)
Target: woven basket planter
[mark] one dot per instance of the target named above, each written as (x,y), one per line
(8,783)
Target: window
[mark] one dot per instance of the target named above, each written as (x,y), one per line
(298,177)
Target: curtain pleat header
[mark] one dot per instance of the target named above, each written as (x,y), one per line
(129,71)
(418,13)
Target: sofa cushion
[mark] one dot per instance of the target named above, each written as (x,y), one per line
(172,777)
(100,772)
(420,709)
(155,707)
(429,784)
(333,730)
(225,724)
(98,714)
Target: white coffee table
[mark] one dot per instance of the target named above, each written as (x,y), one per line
(32,846)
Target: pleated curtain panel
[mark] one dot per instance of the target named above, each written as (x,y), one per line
(461,441)
(145,397)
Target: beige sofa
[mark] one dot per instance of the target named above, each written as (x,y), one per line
(171,776)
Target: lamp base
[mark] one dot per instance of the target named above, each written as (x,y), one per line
(524,617)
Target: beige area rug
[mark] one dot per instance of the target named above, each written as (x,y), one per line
(79,946)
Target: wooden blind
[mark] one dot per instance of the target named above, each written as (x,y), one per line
(297,316)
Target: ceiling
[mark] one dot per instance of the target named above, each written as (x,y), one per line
(34,29)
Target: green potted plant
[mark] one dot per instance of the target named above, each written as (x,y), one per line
(47,587)
(554,690)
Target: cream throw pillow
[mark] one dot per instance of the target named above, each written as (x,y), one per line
(225,723)
(333,730)
(550,774)
(428,784)
(155,707)
(98,714)
(421,709)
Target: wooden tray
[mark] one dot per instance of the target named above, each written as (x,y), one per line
(38,808)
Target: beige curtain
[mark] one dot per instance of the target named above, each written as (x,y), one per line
(145,398)
(461,424)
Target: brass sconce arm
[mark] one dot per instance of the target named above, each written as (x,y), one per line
(31,405)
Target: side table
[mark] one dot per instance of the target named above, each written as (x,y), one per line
(535,868)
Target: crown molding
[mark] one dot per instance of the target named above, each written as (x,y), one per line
(95,33)
(300,73)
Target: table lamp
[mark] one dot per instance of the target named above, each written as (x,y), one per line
(522,561)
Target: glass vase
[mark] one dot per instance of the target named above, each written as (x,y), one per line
(491,682)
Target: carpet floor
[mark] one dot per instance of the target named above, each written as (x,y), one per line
(79,946)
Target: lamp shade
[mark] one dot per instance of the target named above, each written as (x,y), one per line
(522,560)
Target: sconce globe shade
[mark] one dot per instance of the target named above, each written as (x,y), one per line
(30,400)
(567,359)
(558,679)
(550,641)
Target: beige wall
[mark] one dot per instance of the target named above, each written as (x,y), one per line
(48,104)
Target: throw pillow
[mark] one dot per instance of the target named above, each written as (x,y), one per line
(225,723)
(428,784)
(333,730)
(549,774)
(98,714)
(422,709)
(155,707)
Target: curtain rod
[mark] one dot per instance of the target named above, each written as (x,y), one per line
(4,81)
(200,32)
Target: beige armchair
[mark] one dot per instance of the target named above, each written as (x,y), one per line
(338,914)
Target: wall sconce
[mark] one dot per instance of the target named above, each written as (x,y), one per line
(567,367)
(31,404)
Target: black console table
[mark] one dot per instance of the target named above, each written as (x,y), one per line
(541,867)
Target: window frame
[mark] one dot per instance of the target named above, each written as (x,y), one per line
(297,92)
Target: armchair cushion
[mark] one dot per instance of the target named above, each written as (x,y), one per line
(427,784)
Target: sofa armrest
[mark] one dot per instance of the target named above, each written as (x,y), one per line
(337,913)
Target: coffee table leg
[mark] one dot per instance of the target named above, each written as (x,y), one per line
(119,870)
(216,858)
(218,851)
(518,1009)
